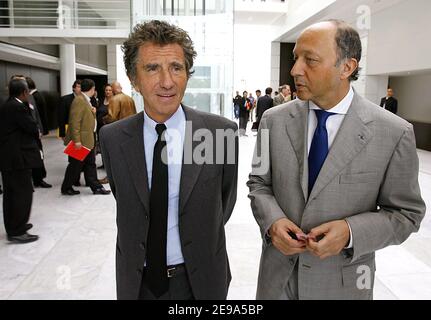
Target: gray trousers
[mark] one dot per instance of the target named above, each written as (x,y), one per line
(291,290)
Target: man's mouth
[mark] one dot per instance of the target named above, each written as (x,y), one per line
(166,95)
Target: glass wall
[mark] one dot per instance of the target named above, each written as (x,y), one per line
(210,25)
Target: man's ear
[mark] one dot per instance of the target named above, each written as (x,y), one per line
(348,67)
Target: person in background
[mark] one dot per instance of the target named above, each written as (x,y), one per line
(284,95)
(40,104)
(120,105)
(101,112)
(81,130)
(38,173)
(64,108)
(264,103)
(19,154)
(389,102)
(252,105)
(244,108)
(237,100)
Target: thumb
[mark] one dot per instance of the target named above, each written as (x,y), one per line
(294,228)
(318,231)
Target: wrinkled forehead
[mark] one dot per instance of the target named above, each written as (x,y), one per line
(316,39)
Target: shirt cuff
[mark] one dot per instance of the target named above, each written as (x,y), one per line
(350,245)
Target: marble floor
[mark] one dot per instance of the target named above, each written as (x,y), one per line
(74,258)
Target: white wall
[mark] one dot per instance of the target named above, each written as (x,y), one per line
(399,39)
(252,57)
(414,97)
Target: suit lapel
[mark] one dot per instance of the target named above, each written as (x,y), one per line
(134,152)
(351,138)
(190,171)
(296,127)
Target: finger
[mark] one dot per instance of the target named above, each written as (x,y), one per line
(294,228)
(320,230)
(313,245)
(292,242)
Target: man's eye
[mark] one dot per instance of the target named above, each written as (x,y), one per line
(177,68)
(151,68)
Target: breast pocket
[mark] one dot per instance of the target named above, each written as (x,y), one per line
(355,178)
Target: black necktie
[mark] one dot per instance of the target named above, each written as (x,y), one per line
(156,274)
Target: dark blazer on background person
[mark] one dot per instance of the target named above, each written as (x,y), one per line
(207,197)
(63,113)
(41,108)
(391,104)
(264,103)
(18,137)
(243,112)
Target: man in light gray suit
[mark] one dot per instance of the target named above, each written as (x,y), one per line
(172,204)
(334,177)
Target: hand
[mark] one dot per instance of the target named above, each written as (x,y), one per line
(78,145)
(281,239)
(93,109)
(336,237)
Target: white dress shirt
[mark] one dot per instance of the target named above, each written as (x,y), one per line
(176,126)
(333,124)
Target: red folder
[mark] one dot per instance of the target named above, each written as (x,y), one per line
(78,154)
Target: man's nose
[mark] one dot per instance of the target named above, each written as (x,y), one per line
(297,69)
(166,80)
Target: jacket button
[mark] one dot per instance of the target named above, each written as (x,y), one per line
(142,245)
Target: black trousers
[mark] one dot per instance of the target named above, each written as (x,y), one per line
(39,173)
(243,119)
(17,199)
(179,288)
(74,169)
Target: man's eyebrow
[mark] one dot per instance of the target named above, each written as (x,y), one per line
(307,52)
(177,64)
(151,65)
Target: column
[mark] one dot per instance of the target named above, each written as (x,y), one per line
(275,67)
(67,68)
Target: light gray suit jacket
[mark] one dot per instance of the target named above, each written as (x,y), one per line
(370,178)
(207,198)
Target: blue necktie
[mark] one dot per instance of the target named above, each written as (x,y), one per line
(319,148)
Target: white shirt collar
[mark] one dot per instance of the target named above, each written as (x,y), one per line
(33,91)
(341,108)
(18,100)
(174,122)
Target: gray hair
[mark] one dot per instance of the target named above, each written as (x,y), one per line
(348,45)
(157,32)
